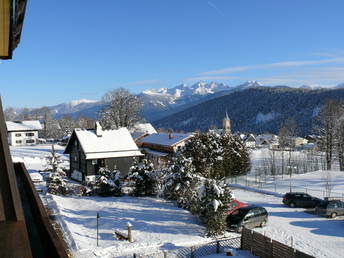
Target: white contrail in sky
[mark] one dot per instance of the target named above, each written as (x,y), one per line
(212,5)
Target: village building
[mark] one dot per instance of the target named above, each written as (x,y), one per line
(226,125)
(249,141)
(269,141)
(90,150)
(142,130)
(23,133)
(162,146)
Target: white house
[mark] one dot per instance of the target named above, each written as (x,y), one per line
(267,141)
(23,133)
(249,140)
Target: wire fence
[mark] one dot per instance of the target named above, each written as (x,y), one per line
(211,248)
(277,185)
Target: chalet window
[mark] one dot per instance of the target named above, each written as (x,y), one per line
(30,141)
(18,134)
(18,141)
(30,134)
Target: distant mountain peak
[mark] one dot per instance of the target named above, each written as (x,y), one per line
(80,101)
(339,86)
(251,84)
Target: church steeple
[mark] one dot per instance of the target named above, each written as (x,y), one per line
(226,125)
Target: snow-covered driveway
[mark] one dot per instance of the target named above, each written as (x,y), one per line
(312,234)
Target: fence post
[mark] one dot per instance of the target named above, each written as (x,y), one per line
(251,242)
(165,254)
(192,252)
(217,246)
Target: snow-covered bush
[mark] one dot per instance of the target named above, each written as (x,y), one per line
(143,179)
(108,183)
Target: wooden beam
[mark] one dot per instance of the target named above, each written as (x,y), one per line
(10,203)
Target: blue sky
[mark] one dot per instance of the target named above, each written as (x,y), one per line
(75,49)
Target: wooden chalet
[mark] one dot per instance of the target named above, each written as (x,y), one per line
(91,149)
(161,146)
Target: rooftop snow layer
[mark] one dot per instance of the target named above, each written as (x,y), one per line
(111,141)
(33,125)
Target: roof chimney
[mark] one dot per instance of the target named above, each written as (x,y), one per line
(99,130)
(170,136)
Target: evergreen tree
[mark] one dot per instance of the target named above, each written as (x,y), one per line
(56,184)
(213,206)
(217,156)
(53,161)
(180,183)
(143,179)
(108,183)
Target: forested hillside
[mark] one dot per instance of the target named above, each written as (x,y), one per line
(256,110)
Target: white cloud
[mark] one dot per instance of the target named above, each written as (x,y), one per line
(288,64)
(318,75)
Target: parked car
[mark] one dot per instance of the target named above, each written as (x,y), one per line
(248,217)
(235,204)
(302,200)
(330,208)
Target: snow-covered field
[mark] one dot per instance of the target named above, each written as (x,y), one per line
(159,225)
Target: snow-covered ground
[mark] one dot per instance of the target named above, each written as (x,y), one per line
(159,225)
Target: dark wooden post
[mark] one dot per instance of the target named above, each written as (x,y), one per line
(97,225)
(10,202)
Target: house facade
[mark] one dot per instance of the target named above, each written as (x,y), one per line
(23,133)
(162,146)
(89,150)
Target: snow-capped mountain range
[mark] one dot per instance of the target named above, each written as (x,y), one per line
(162,102)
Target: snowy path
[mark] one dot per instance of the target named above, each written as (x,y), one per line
(312,234)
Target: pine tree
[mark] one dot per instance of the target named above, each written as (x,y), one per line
(180,182)
(214,204)
(143,179)
(108,183)
(217,156)
(53,161)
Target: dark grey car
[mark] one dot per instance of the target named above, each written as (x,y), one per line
(330,208)
(248,217)
(302,200)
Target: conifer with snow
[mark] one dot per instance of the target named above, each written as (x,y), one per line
(143,179)
(217,156)
(180,182)
(214,201)
(108,183)
(56,184)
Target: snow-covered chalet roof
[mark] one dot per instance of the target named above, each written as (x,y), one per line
(143,128)
(99,144)
(164,139)
(155,153)
(33,125)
